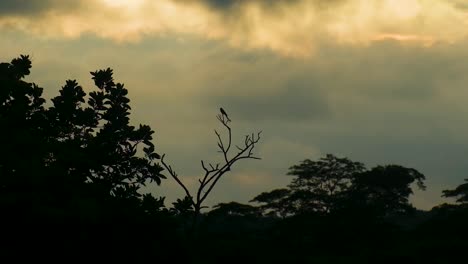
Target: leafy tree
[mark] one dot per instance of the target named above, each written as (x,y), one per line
(234,209)
(151,205)
(460,193)
(319,186)
(183,207)
(93,144)
(22,133)
(96,144)
(339,185)
(73,160)
(275,203)
(386,189)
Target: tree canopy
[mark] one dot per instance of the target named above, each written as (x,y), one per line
(460,193)
(334,185)
(386,189)
(76,161)
(319,185)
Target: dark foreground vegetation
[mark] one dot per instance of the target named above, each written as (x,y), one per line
(72,172)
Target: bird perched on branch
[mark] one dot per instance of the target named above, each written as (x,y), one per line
(224,114)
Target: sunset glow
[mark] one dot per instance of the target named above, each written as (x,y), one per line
(291,30)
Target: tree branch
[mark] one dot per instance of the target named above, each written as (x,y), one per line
(176,178)
(214,173)
(244,153)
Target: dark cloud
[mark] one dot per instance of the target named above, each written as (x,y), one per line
(22,7)
(223,4)
(35,7)
(229,4)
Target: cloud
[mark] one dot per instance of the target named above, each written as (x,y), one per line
(292,28)
(13,7)
(34,8)
(222,4)
(271,5)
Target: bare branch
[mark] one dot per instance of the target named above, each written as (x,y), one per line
(214,172)
(176,178)
(244,153)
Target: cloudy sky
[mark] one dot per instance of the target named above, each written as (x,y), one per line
(381,82)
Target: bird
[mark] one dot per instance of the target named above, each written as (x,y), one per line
(224,114)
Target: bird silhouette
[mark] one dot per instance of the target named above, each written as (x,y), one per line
(224,114)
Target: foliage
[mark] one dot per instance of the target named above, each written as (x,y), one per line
(320,185)
(335,185)
(71,161)
(275,202)
(385,189)
(234,209)
(460,193)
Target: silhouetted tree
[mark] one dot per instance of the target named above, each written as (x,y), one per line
(385,190)
(151,205)
(460,193)
(183,207)
(234,209)
(319,186)
(275,203)
(73,164)
(339,185)
(22,134)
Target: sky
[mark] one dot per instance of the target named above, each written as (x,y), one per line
(380,82)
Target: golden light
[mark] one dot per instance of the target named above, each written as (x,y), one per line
(295,29)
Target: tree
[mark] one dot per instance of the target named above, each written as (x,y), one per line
(386,189)
(22,133)
(338,185)
(275,203)
(234,209)
(460,193)
(73,163)
(212,173)
(321,185)
(93,144)
(96,144)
